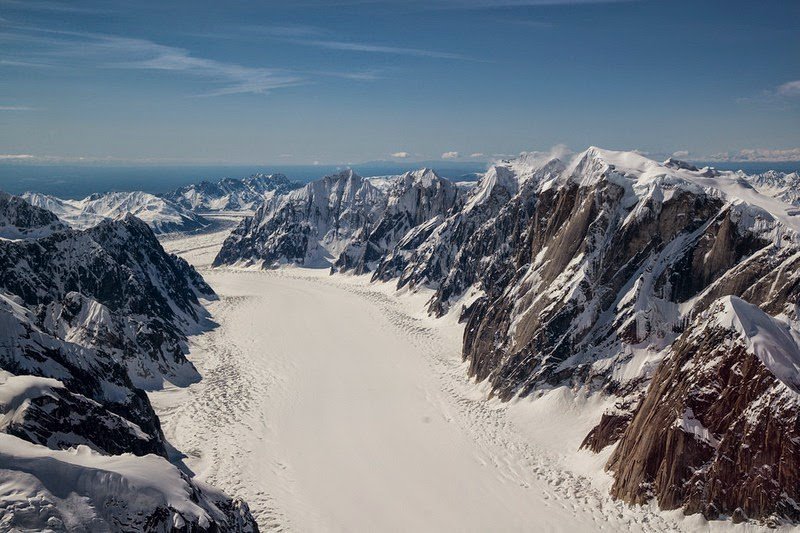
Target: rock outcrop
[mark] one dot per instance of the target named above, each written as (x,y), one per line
(21,220)
(415,199)
(717,431)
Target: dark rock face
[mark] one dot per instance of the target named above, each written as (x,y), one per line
(20,220)
(60,419)
(124,304)
(608,431)
(717,432)
(415,199)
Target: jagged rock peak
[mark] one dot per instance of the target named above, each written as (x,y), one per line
(21,220)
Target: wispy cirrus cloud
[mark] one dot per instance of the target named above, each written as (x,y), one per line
(317,37)
(350,46)
(17,108)
(84,49)
(58,48)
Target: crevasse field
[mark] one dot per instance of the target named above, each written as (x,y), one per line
(333,404)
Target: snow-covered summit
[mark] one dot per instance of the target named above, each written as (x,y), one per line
(161,215)
(341,220)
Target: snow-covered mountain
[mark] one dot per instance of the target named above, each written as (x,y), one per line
(311,226)
(609,272)
(229,194)
(87,320)
(161,215)
(342,220)
(21,220)
(781,185)
(413,199)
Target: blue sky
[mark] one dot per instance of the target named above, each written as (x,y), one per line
(357,80)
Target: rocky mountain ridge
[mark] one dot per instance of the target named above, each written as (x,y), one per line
(230,194)
(20,220)
(341,221)
(591,271)
(161,215)
(88,319)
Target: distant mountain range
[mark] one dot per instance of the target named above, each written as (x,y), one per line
(672,288)
(230,194)
(161,215)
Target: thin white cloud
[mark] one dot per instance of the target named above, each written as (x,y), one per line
(477,154)
(401,155)
(81,49)
(680,153)
(379,49)
(789,89)
(450,155)
(765,155)
(6,157)
(780,96)
(17,108)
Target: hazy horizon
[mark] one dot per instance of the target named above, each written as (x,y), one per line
(347,81)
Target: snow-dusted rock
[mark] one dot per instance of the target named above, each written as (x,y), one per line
(87,318)
(311,226)
(782,185)
(81,490)
(718,431)
(229,194)
(20,220)
(94,388)
(161,215)
(342,221)
(413,199)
